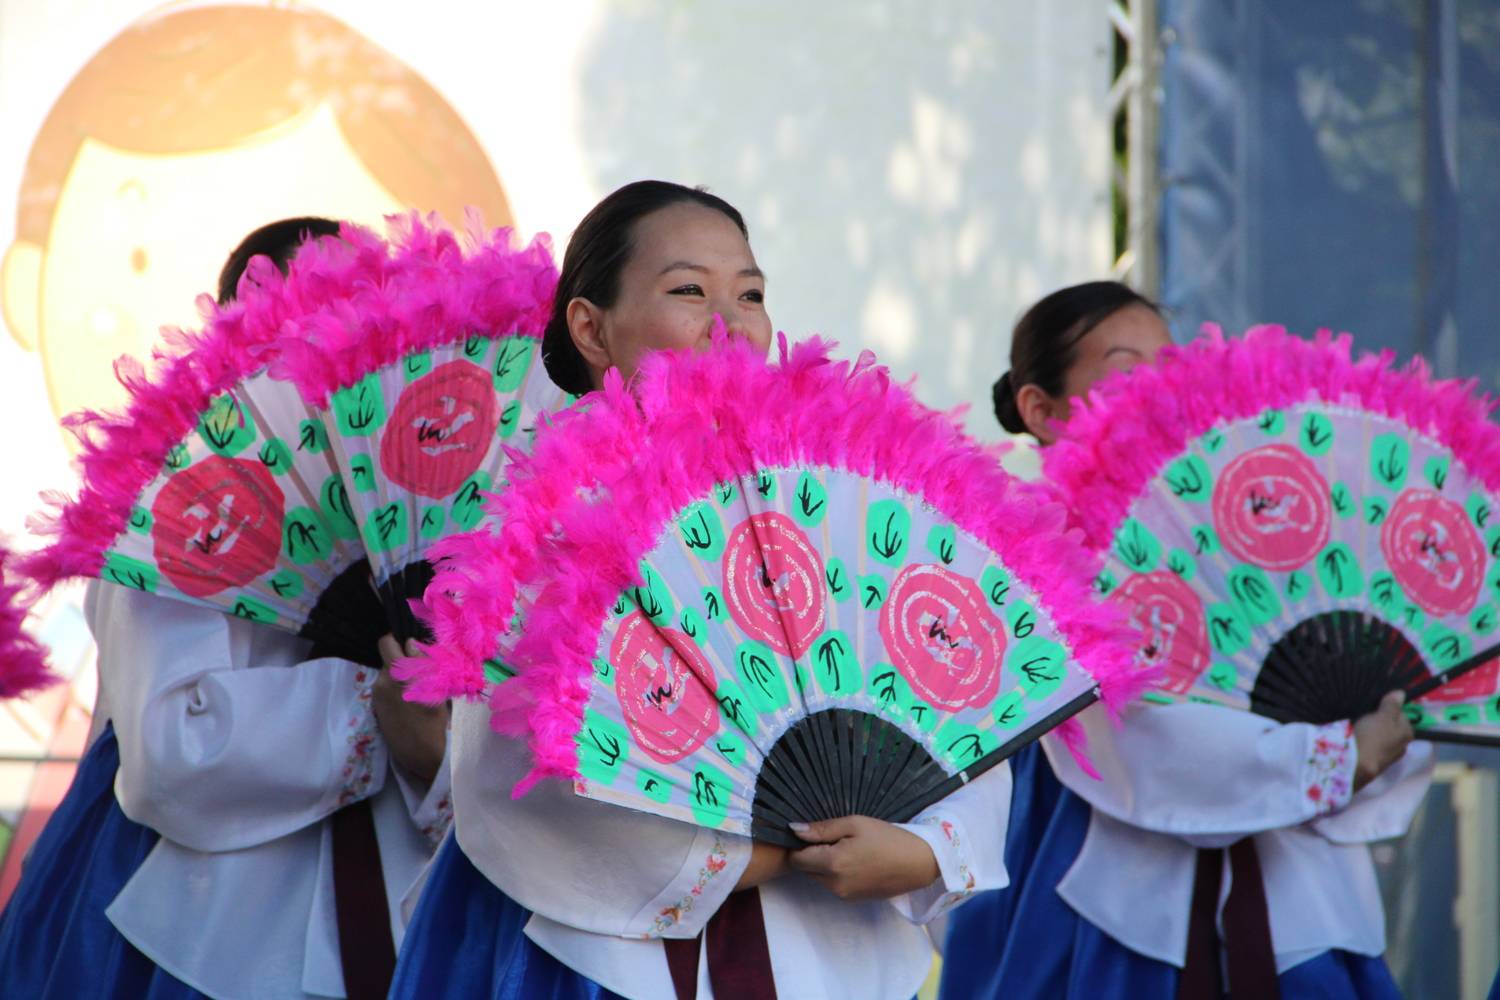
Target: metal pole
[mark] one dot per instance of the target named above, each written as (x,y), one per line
(1476,911)
(1142,122)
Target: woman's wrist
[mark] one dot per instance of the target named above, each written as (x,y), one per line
(767,861)
(911,863)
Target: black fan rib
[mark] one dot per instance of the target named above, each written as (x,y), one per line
(405,585)
(840,761)
(348,619)
(1335,665)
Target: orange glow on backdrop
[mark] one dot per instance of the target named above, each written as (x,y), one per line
(189,129)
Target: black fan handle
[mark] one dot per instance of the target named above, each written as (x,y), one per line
(1454,672)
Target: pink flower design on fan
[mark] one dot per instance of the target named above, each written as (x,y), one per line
(1434,552)
(773,583)
(441,429)
(941,635)
(1271,508)
(217,524)
(1169,615)
(665,687)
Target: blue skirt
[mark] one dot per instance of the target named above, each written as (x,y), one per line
(466,940)
(1024,941)
(55,940)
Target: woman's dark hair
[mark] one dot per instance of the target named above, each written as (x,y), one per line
(278,241)
(596,255)
(1044,344)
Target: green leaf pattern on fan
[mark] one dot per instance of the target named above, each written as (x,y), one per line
(414,366)
(888,528)
(512,361)
(225,426)
(431,521)
(1333,510)
(1316,434)
(702,531)
(812,501)
(1271,422)
(360,409)
(1189,479)
(786,592)
(312,437)
(1137,547)
(140,520)
(276,456)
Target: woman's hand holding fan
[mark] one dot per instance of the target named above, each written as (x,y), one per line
(856,857)
(1381,738)
(416,734)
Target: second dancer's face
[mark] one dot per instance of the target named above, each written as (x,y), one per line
(1132,336)
(687,264)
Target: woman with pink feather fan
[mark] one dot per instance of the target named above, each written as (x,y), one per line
(616,901)
(1104,901)
(236,757)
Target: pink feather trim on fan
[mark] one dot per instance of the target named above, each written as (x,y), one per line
(1216,379)
(23,660)
(433,292)
(808,409)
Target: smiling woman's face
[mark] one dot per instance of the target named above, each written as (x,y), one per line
(687,263)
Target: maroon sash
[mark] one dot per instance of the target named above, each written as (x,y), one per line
(367,952)
(739,959)
(1247,929)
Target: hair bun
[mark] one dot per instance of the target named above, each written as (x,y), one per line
(1006,410)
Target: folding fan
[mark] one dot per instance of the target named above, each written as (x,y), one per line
(422,386)
(831,603)
(1296,532)
(217,485)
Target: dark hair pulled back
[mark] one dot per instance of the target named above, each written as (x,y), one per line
(597,253)
(1044,344)
(276,240)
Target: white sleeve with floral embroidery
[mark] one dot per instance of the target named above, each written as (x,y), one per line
(1211,774)
(201,736)
(430,808)
(966,832)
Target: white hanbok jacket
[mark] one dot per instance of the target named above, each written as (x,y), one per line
(237,754)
